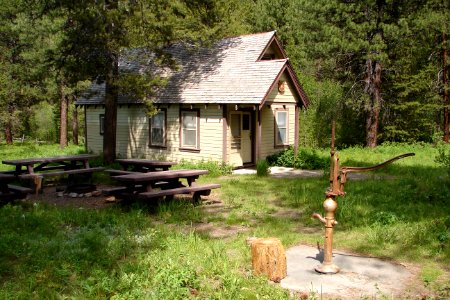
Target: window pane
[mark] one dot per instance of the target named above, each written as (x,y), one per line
(158,120)
(157,129)
(102,124)
(189,138)
(189,120)
(157,136)
(189,126)
(282,136)
(281,118)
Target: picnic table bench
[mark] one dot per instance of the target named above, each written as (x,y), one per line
(38,168)
(158,184)
(10,192)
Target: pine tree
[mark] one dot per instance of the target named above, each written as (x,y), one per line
(22,72)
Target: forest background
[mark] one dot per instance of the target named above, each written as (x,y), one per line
(378,67)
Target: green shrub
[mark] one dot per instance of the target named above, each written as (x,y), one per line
(443,158)
(284,158)
(215,168)
(262,168)
(308,159)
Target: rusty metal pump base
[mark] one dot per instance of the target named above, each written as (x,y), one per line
(327,269)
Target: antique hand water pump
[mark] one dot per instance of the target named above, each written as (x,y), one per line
(338,178)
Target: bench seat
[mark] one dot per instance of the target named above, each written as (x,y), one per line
(15,192)
(19,189)
(62,173)
(113,190)
(9,172)
(197,190)
(114,172)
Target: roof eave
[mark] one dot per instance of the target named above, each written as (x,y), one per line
(297,87)
(277,41)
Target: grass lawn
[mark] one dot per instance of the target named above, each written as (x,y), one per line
(177,251)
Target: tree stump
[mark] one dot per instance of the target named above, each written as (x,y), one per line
(268,258)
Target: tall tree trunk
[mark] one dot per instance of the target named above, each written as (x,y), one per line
(111,95)
(373,108)
(9,125)
(446,87)
(8,132)
(75,125)
(63,116)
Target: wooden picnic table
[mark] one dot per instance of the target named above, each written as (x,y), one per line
(41,164)
(162,183)
(10,192)
(40,167)
(144,165)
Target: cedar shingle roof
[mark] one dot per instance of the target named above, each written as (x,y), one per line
(227,73)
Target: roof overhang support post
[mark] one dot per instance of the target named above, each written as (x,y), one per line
(258,136)
(224,134)
(297,128)
(86,141)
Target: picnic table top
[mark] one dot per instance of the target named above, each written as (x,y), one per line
(36,160)
(145,162)
(159,175)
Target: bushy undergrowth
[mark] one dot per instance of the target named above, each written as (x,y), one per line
(308,159)
(443,158)
(215,168)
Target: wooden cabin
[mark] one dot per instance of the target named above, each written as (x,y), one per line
(236,102)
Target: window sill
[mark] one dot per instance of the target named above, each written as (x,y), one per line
(192,150)
(157,147)
(281,146)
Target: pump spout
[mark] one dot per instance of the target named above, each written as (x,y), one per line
(318,217)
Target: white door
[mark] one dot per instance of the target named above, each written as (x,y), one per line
(241,138)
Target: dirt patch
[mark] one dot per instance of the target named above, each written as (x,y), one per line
(215,230)
(53,196)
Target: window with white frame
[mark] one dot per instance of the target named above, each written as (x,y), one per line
(158,129)
(281,128)
(190,129)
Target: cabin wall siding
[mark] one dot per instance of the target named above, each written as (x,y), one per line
(94,140)
(210,138)
(133,134)
(277,101)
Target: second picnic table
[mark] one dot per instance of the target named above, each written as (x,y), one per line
(144,165)
(162,183)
